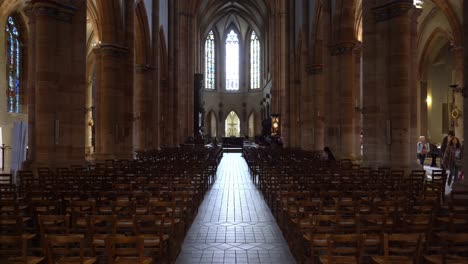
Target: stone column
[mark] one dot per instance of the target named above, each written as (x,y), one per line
(316,72)
(58,89)
(141,105)
(110,119)
(306,99)
(357,117)
(282,53)
(463,185)
(31,94)
(156,87)
(342,98)
(374,140)
(389,65)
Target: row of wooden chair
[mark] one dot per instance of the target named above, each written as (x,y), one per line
(314,201)
(151,199)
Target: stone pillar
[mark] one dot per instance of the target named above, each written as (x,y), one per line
(389,61)
(357,96)
(342,111)
(31,94)
(316,72)
(110,114)
(464,184)
(306,100)
(170,116)
(156,87)
(342,99)
(282,82)
(141,105)
(374,140)
(326,116)
(114,79)
(57,98)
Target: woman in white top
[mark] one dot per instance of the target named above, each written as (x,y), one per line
(423,148)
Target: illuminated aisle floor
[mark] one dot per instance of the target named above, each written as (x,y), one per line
(234,224)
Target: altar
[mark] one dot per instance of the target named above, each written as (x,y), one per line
(233,144)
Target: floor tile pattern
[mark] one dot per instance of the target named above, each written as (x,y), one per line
(234,224)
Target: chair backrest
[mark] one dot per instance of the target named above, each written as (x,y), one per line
(125,246)
(408,245)
(60,247)
(6,178)
(351,245)
(102,224)
(54,224)
(14,247)
(148,224)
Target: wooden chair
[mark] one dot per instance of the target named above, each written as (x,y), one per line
(126,250)
(14,250)
(79,212)
(156,238)
(454,251)
(322,227)
(100,227)
(344,249)
(400,249)
(67,249)
(6,178)
(12,224)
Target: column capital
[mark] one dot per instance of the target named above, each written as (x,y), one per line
(392,9)
(113,49)
(342,48)
(50,8)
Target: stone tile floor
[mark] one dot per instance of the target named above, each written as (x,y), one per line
(234,224)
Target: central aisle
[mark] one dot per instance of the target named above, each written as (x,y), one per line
(234,224)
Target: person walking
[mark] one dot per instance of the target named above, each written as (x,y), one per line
(452,159)
(423,148)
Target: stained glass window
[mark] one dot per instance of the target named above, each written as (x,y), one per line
(254,61)
(210,64)
(232,61)
(13,48)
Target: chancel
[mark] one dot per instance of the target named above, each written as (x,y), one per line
(241,131)
(232,125)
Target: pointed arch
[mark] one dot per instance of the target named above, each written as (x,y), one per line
(232,48)
(232,124)
(255,52)
(436,37)
(142,35)
(15,62)
(210,61)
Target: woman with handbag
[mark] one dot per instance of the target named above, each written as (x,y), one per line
(453,159)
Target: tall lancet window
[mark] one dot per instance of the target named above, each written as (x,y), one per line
(232,61)
(13,49)
(210,64)
(254,61)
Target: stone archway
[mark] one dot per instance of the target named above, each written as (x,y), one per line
(232,125)
(437,71)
